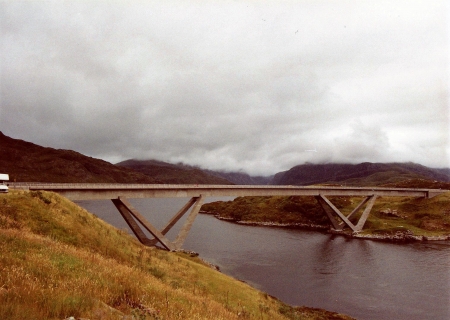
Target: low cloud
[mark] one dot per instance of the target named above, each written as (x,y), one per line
(235,86)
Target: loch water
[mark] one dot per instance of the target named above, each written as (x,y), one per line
(362,278)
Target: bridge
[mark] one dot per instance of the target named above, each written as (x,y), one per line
(119,193)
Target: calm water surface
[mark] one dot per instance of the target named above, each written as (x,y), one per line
(361,278)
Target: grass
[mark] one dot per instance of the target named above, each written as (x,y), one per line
(426,217)
(58,260)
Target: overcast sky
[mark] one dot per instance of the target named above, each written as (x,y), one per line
(258,86)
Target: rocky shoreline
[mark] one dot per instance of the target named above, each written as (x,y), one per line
(398,236)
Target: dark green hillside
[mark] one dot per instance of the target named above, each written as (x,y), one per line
(241,178)
(420,183)
(280,210)
(363,174)
(163,172)
(417,216)
(25,161)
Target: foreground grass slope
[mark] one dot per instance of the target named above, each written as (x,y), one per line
(58,260)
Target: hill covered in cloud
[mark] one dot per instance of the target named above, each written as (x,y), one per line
(26,161)
(363,174)
(164,172)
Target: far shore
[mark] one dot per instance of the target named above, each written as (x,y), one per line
(398,237)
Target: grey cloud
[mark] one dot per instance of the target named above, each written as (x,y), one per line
(237,86)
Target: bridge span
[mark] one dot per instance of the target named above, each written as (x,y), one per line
(119,193)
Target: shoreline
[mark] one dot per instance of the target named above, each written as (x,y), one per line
(398,236)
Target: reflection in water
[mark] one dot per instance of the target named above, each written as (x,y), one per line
(365,279)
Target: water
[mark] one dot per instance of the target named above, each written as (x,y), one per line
(361,278)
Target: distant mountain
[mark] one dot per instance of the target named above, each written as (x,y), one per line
(369,174)
(26,161)
(191,174)
(445,171)
(164,172)
(419,183)
(241,178)
(277,178)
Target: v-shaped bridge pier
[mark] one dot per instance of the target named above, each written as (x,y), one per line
(129,213)
(329,209)
(132,216)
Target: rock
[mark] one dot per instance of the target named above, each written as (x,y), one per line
(398,236)
(104,311)
(147,311)
(190,253)
(309,226)
(436,238)
(433,225)
(391,213)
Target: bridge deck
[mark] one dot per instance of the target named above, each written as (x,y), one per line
(96,191)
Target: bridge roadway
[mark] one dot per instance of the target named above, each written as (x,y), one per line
(118,194)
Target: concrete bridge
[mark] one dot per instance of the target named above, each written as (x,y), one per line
(119,193)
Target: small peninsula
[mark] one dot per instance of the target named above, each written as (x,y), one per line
(391,218)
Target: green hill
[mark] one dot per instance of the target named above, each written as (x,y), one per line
(58,260)
(416,216)
(363,174)
(163,172)
(26,161)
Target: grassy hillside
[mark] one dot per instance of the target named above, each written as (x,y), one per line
(163,172)
(58,260)
(28,162)
(25,161)
(363,174)
(278,209)
(420,216)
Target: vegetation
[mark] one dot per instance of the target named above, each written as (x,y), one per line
(423,217)
(278,209)
(420,183)
(163,172)
(363,174)
(419,216)
(28,162)
(58,260)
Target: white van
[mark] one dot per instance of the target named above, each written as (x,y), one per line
(3,178)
